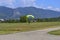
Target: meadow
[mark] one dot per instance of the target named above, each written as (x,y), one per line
(8,28)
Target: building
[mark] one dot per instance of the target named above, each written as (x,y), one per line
(1,20)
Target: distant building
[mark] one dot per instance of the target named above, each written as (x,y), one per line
(2,20)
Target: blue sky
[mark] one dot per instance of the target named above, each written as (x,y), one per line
(45,4)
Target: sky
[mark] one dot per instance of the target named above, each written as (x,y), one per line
(45,4)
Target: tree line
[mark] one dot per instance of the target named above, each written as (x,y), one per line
(23,20)
(49,19)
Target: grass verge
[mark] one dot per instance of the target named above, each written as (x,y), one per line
(56,32)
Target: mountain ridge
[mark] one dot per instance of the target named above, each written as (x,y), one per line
(6,12)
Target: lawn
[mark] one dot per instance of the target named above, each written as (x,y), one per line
(7,28)
(56,32)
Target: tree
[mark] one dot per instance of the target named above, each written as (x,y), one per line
(23,19)
(26,18)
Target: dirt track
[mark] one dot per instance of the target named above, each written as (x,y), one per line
(32,35)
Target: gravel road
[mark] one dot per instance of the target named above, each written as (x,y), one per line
(32,35)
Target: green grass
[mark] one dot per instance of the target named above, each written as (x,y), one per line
(56,32)
(7,32)
(6,28)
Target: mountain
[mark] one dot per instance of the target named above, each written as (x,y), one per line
(38,12)
(6,12)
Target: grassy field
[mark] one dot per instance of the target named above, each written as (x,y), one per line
(6,28)
(56,32)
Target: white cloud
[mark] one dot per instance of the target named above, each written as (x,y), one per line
(25,3)
(28,2)
(49,7)
(16,3)
(8,3)
(57,9)
(52,8)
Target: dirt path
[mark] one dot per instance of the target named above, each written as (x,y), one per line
(32,35)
